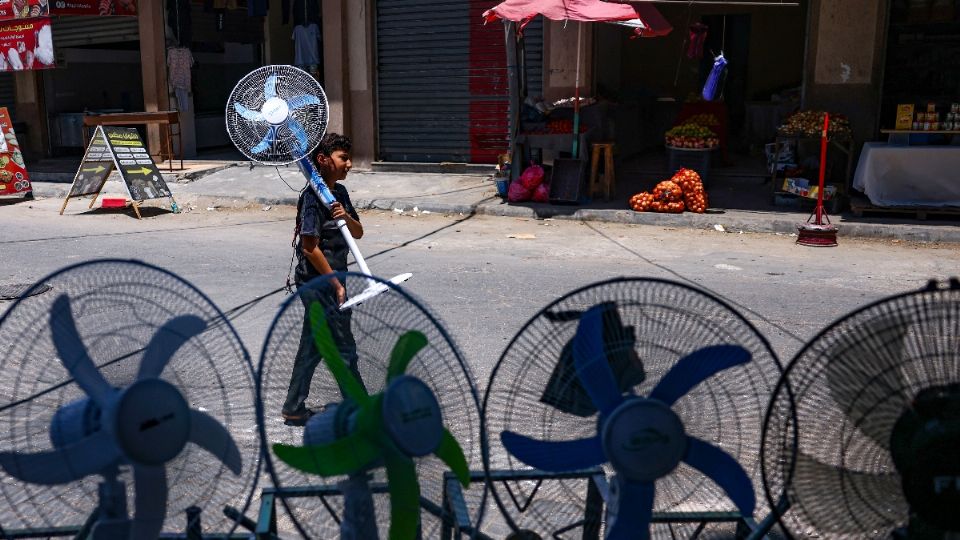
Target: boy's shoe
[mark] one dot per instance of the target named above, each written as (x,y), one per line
(298,418)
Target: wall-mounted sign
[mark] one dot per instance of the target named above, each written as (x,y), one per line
(103,8)
(26,45)
(14,180)
(23,9)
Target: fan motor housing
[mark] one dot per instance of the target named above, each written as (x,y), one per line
(151,422)
(275,111)
(412,416)
(74,422)
(644,439)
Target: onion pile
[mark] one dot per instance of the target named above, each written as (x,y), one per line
(682,192)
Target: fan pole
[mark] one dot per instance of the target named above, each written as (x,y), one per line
(818,233)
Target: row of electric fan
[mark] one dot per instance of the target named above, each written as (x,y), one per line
(623,410)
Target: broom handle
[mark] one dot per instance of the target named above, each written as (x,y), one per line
(823,166)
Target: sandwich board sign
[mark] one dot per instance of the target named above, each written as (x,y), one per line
(121,149)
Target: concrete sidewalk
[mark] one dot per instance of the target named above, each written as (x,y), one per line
(242,185)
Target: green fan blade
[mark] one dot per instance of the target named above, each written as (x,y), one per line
(331,355)
(347,455)
(403,352)
(404,497)
(451,454)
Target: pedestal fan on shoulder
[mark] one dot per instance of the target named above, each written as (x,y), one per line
(122,383)
(276,115)
(863,429)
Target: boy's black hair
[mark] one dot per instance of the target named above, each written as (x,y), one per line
(330,143)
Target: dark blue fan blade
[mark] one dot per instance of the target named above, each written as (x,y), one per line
(591,362)
(554,456)
(300,134)
(73,353)
(720,467)
(266,143)
(634,510)
(270,87)
(697,367)
(253,116)
(303,101)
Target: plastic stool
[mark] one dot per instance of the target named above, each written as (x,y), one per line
(609,176)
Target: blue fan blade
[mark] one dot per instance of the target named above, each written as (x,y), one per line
(300,134)
(555,456)
(166,342)
(270,87)
(303,101)
(74,355)
(697,367)
(591,362)
(634,510)
(87,456)
(266,143)
(253,116)
(720,467)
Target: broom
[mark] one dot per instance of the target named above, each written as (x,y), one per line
(817,233)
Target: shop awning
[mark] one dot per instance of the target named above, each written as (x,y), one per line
(644,18)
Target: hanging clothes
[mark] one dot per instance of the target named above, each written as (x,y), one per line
(257,8)
(179,62)
(698,36)
(306,39)
(180,21)
(306,12)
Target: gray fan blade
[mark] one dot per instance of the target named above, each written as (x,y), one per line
(270,87)
(166,342)
(74,355)
(253,116)
(836,501)
(209,434)
(150,502)
(865,380)
(73,462)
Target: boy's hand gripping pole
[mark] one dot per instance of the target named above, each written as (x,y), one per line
(373,287)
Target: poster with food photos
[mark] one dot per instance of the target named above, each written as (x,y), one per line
(26,45)
(14,180)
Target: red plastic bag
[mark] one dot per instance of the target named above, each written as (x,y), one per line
(518,193)
(542,193)
(532,177)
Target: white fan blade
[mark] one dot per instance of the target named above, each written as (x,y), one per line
(166,342)
(253,116)
(209,434)
(270,87)
(302,101)
(150,502)
(74,355)
(73,462)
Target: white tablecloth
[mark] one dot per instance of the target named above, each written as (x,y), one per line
(909,175)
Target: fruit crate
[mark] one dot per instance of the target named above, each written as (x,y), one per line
(839,167)
(696,159)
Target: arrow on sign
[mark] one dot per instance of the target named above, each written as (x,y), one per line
(143,170)
(98,169)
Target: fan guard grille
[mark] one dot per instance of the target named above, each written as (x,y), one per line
(376,325)
(845,390)
(670,321)
(118,306)
(249,92)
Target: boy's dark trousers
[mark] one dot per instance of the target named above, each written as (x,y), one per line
(307,356)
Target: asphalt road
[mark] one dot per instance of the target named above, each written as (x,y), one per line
(484,277)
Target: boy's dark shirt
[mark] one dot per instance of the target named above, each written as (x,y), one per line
(314,219)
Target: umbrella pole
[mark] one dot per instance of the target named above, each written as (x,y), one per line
(576,96)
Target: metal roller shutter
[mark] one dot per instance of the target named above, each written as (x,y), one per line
(82,31)
(442,83)
(8,94)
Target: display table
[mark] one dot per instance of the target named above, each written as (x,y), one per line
(554,142)
(909,175)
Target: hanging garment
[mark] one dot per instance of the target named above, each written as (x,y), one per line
(180,21)
(305,45)
(179,62)
(698,36)
(257,8)
(714,85)
(306,12)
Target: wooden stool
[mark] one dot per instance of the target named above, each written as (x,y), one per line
(609,176)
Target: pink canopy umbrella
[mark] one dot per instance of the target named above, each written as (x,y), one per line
(642,17)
